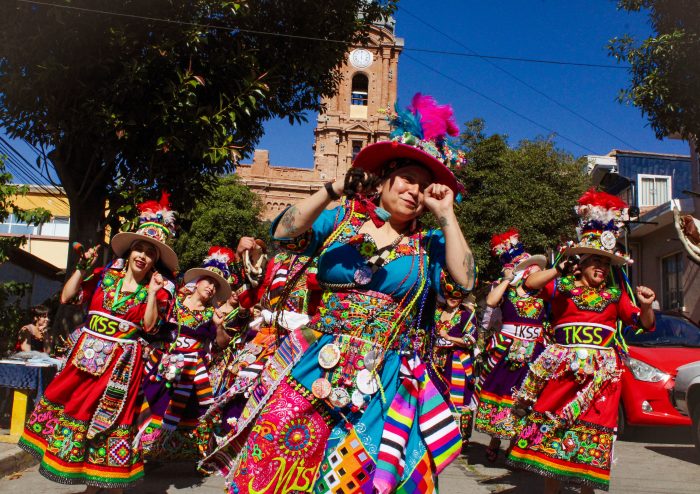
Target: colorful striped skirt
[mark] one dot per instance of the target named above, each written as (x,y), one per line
(83,427)
(501,374)
(570,432)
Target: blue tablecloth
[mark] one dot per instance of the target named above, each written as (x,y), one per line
(18,376)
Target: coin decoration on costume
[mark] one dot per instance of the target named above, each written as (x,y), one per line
(321,388)
(339,397)
(329,356)
(366,382)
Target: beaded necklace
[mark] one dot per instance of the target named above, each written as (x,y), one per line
(111,284)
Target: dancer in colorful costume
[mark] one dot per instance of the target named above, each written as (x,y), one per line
(83,427)
(289,290)
(517,343)
(177,388)
(351,407)
(575,383)
(453,357)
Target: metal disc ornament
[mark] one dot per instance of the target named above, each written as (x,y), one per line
(608,240)
(329,356)
(358,398)
(339,397)
(363,275)
(98,346)
(366,382)
(321,388)
(371,360)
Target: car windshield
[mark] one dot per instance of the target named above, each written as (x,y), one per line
(670,331)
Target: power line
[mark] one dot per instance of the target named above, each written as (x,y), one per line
(517,59)
(521,81)
(325,40)
(26,169)
(496,102)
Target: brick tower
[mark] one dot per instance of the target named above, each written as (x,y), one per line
(353,119)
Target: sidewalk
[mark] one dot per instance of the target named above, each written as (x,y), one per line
(13,459)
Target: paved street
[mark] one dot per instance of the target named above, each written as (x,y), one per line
(653,461)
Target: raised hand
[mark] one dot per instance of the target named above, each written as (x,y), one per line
(157,282)
(218,317)
(645,295)
(88,258)
(439,200)
(244,244)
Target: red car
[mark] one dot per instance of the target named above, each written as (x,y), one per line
(651,370)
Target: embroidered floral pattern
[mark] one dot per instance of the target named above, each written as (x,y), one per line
(66,438)
(588,298)
(494,417)
(583,443)
(192,318)
(110,281)
(527,307)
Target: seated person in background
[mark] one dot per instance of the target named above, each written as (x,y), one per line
(34,336)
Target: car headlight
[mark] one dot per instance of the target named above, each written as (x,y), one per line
(645,372)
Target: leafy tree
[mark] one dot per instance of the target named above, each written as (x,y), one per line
(665,68)
(161,94)
(12,292)
(221,218)
(532,187)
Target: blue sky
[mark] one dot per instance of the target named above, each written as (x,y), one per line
(571,30)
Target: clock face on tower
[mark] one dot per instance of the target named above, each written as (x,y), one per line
(361,58)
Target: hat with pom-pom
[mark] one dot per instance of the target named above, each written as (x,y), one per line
(511,252)
(420,133)
(216,267)
(601,218)
(156,226)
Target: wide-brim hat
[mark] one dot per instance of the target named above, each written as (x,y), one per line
(123,241)
(375,156)
(615,259)
(223,289)
(538,259)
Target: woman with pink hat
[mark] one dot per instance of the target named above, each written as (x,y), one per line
(350,405)
(83,427)
(518,342)
(177,387)
(574,387)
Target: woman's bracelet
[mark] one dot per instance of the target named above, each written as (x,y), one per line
(331,191)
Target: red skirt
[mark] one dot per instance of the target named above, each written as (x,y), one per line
(570,432)
(83,427)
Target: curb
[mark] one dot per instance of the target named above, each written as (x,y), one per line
(15,460)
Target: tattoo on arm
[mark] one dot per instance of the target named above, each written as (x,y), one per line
(287,223)
(469,266)
(443,221)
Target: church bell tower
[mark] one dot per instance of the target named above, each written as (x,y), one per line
(353,117)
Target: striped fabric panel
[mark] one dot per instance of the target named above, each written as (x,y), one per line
(181,392)
(458,378)
(202,384)
(496,350)
(440,431)
(400,417)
